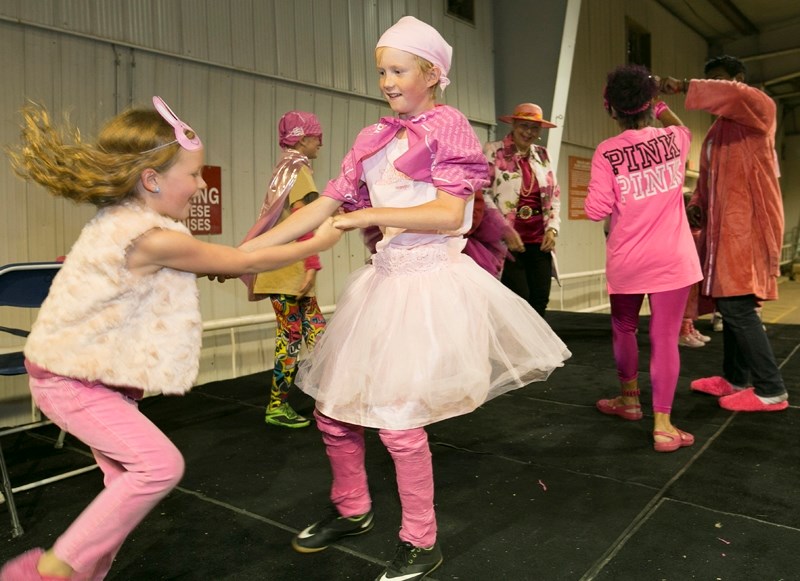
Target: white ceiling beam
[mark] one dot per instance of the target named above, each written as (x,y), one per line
(769,55)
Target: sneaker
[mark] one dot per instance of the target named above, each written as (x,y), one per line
(412,563)
(716,322)
(285,416)
(699,336)
(690,341)
(330,529)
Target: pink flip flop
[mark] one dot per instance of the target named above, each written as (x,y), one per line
(679,440)
(626,412)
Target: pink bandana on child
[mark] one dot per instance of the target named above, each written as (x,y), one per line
(295,125)
(416,37)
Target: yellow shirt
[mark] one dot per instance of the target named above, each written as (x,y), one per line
(289,279)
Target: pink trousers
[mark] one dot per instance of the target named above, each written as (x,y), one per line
(409,449)
(140,466)
(666,310)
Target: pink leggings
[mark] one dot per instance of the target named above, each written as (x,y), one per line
(138,461)
(665,322)
(409,449)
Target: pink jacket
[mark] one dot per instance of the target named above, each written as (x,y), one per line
(442,149)
(737,191)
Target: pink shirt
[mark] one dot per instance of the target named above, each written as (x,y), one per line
(637,179)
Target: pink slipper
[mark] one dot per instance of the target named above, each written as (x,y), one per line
(717,386)
(23,567)
(746,400)
(679,440)
(626,412)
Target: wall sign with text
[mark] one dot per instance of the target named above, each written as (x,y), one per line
(205,216)
(580,169)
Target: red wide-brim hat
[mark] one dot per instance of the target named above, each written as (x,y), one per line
(527,112)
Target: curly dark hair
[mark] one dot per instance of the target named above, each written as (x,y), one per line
(629,91)
(730,64)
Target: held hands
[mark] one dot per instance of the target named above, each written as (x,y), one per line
(671,85)
(350,220)
(327,234)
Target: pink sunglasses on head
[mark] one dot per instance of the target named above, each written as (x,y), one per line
(181,128)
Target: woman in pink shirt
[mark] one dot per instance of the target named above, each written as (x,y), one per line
(637,178)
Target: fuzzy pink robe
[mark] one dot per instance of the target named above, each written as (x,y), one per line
(738,191)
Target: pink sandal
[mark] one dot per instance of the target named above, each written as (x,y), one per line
(609,407)
(679,440)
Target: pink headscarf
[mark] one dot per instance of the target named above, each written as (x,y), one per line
(295,125)
(414,36)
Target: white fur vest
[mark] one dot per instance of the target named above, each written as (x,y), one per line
(101,323)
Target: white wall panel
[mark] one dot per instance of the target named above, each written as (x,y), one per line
(790,180)
(214,29)
(243,32)
(305,52)
(194,27)
(264,24)
(112,18)
(361,22)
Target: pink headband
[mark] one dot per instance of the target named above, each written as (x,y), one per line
(643,107)
(181,128)
(295,125)
(414,36)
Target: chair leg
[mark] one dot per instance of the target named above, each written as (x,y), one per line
(60,441)
(9,496)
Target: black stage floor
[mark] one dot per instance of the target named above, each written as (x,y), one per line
(535,485)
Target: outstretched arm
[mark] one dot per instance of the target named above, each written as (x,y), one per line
(298,223)
(169,249)
(733,100)
(445,213)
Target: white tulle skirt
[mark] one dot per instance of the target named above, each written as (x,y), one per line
(424,334)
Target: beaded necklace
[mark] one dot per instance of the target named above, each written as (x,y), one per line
(525,192)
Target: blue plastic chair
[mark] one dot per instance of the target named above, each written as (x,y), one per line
(24,285)
(21,285)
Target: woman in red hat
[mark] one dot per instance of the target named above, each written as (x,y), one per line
(524,189)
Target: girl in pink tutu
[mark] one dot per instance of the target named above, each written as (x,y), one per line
(123,317)
(422,333)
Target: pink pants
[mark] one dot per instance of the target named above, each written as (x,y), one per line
(138,461)
(409,449)
(665,322)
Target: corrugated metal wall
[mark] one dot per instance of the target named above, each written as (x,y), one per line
(230,69)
